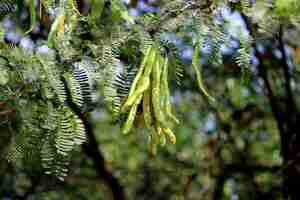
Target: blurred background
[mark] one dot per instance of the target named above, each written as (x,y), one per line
(224,150)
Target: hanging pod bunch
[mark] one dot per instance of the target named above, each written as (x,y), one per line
(150,91)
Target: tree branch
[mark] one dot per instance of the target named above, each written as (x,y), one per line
(247,169)
(91,149)
(287,84)
(262,72)
(220,182)
(168,14)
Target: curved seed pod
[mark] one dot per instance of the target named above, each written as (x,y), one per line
(154,139)
(158,129)
(143,85)
(156,71)
(75,7)
(166,92)
(161,137)
(33,17)
(56,26)
(140,72)
(61,26)
(147,108)
(139,121)
(150,62)
(131,116)
(152,148)
(159,115)
(169,133)
(195,62)
(163,140)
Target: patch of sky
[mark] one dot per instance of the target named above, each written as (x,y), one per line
(8,23)
(13,37)
(209,124)
(27,43)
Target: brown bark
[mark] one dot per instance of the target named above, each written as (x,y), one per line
(287,118)
(91,149)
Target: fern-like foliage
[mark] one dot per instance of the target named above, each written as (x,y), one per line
(121,86)
(218,38)
(129,57)
(63,132)
(243,58)
(212,35)
(7,6)
(241,5)
(80,87)
(174,55)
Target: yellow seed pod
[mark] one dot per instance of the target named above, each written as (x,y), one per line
(75,7)
(150,62)
(139,121)
(163,140)
(169,133)
(140,72)
(156,98)
(143,85)
(159,133)
(154,139)
(147,108)
(158,129)
(61,24)
(156,71)
(159,115)
(131,116)
(141,82)
(166,93)
(57,27)
(195,63)
(152,146)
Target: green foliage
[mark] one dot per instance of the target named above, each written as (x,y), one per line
(243,58)
(128,57)
(94,72)
(7,6)
(287,8)
(80,88)
(176,63)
